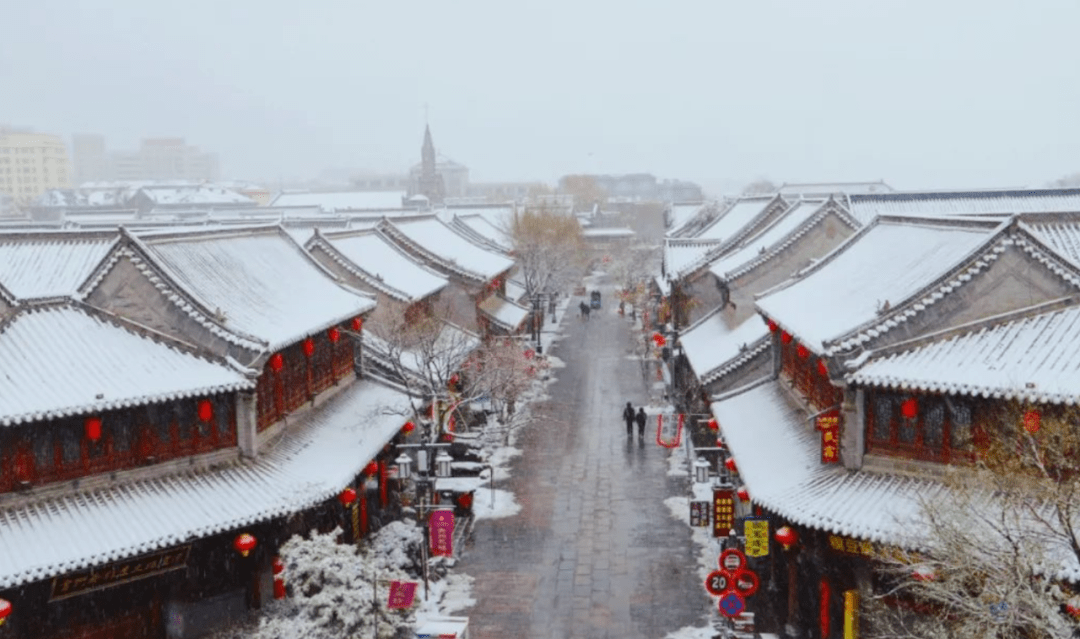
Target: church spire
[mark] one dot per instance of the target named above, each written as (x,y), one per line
(430,183)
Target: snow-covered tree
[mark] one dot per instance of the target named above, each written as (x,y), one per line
(340,591)
(1001,553)
(548,248)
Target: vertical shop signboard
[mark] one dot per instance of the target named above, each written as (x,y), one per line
(829,425)
(723,511)
(756,531)
(699,514)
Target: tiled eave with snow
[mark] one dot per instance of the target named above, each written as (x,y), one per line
(777,453)
(713,349)
(378,283)
(967,269)
(320,453)
(173,292)
(97,366)
(454,344)
(509,315)
(683,256)
(1023,356)
(44,265)
(441,262)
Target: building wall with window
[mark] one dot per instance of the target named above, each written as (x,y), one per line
(32,163)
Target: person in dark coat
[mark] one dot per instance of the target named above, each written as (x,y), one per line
(641,422)
(628,417)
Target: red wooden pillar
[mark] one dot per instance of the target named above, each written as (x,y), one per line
(824,594)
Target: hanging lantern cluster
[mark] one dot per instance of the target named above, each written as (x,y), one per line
(334,334)
(909,408)
(1032,421)
(244,543)
(277,362)
(347,496)
(786,536)
(92,426)
(206,410)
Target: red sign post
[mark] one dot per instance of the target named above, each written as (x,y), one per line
(441,526)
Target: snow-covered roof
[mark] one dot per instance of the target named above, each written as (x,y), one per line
(447,248)
(797,215)
(258,279)
(1062,233)
(713,348)
(201,194)
(829,188)
(888,261)
(482,229)
(105,366)
(50,264)
(80,198)
(343,200)
(319,454)
(865,206)
(509,315)
(778,454)
(737,216)
(608,232)
(681,256)
(449,349)
(1024,356)
(379,262)
(680,214)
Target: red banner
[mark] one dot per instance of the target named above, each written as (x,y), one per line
(441,529)
(829,425)
(401,594)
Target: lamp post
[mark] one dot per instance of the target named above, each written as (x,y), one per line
(537,297)
(424,484)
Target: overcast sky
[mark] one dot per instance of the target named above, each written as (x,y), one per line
(920,93)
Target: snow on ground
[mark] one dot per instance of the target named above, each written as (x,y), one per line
(494,504)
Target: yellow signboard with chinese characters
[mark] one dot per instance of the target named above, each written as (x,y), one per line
(851,614)
(849,546)
(756,532)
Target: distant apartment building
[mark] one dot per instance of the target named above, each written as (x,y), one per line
(32,163)
(155,159)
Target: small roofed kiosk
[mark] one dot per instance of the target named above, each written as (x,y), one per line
(858,451)
(142,411)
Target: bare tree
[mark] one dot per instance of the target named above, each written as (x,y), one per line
(548,248)
(1071,180)
(1002,546)
(585,189)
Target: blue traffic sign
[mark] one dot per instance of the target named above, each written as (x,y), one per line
(732,604)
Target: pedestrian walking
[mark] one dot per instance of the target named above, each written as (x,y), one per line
(641,422)
(628,417)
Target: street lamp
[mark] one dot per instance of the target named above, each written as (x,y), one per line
(536,323)
(424,483)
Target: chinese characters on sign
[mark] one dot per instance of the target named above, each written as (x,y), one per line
(850,546)
(442,532)
(401,594)
(699,514)
(723,512)
(119,573)
(829,425)
(757,537)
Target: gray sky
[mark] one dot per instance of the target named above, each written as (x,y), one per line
(921,93)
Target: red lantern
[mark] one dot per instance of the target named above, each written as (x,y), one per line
(309,347)
(802,351)
(822,369)
(276,362)
(371,469)
(659,339)
(1032,421)
(244,543)
(279,588)
(729,463)
(347,497)
(743,493)
(357,324)
(910,408)
(5,610)
(93,428)
(773,326)
(787,537)
(785,337)
(334,334)
(206,410)
(713,424)
(278,566)
(465,500)
(408,427)
(1072,606)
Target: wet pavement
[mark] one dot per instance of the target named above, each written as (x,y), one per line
(594,551)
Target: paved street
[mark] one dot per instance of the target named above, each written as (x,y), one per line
(594,552)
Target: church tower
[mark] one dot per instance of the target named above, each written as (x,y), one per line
(430,183)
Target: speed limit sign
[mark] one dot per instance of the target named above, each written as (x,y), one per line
(716,583)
